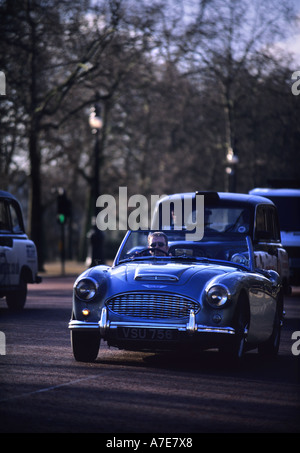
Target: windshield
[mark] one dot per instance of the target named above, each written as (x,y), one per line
(218,218)
(172,245)
(222,219)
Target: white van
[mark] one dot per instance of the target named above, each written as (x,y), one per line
(18,255)
(287,202)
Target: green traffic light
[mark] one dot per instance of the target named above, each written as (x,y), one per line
(61,218)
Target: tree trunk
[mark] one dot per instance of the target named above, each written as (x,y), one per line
(35,203)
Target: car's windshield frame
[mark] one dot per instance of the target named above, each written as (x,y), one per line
(240,245)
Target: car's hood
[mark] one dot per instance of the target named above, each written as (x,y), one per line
(166,273)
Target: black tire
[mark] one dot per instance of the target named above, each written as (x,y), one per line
(234,351)
(85,345)
(270,347)
(16,299)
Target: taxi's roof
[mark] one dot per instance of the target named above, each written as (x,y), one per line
(216,197)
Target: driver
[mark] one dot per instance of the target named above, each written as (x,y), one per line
(158,244)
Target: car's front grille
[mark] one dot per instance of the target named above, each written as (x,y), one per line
(152,305)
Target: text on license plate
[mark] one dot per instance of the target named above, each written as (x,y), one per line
(138,333)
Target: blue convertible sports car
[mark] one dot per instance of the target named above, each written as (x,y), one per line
(165,292)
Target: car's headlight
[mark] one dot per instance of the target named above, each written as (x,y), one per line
(217,295)
(86,289)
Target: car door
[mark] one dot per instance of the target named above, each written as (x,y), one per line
(266,238)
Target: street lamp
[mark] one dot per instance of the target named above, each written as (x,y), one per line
(96,124)
(95,120)
(95,235)
(231,162)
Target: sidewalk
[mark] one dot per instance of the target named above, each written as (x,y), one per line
(71,268)
(55,269)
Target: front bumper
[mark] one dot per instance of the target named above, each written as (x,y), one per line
(107,327)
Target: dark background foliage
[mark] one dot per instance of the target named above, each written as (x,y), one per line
(180,84)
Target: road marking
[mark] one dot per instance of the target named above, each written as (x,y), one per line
(47,389)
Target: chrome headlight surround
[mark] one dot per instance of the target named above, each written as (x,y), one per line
(86,289)
(217,295)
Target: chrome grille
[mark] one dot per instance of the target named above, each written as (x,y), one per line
(152,305)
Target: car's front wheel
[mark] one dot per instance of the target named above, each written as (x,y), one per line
(85,345)
(234,351)
(271,347)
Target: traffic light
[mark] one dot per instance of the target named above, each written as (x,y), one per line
(61,218)
(63,207)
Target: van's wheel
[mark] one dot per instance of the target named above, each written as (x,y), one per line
(16,299)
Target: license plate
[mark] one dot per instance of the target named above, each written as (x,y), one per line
(138,333)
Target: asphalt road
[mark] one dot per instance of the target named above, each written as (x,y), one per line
(44,390)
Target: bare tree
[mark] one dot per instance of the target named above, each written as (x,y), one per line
(178,88)
(45,65)
(223,40)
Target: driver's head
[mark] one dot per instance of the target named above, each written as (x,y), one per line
(158,243)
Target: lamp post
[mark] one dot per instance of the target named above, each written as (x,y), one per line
(96,124)
(95,235)
(231,162)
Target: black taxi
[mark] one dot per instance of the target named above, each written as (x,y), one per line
(223,213)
